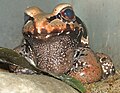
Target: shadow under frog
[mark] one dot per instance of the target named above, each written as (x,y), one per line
(58,43)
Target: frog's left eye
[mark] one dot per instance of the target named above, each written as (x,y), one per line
(68,14)
(27,18)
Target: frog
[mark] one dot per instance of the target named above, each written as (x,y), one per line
(56,43)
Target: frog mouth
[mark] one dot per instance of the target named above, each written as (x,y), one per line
(55,24)
(62,20)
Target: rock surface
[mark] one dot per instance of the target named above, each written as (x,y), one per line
(20,83)
(12,83)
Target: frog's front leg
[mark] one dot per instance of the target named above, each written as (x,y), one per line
(86,68)
(24,50)
(21,70)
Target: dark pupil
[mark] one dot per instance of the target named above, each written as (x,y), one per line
(68,13)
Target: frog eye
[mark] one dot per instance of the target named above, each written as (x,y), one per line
(68,14)
(27,18)
(28,27)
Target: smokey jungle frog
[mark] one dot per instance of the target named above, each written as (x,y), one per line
(57,42)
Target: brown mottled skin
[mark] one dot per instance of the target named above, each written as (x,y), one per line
(89,69)
(54,42)
(50,39)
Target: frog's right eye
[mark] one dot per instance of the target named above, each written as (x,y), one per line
(27,18)
(29,26)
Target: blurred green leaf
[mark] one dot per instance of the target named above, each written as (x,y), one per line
(8,56)
(73,82)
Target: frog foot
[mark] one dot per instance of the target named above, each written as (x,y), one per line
(107,65)
(20,70)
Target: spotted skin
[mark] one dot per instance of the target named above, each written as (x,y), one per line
(87,68)
(107,65)
(57,42)
(51,38)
